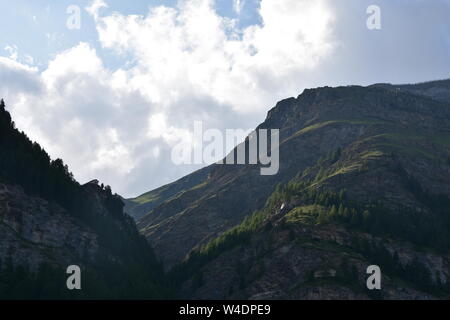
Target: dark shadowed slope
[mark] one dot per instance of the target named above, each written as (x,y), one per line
(380,196)
(48,221)
(374,128)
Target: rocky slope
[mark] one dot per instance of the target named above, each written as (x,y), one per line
(35,231)
(48,222)
(364,179)
(287,252)
(322,262)
(375,128)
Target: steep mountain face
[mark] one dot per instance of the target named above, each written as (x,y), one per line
(376,129)
(35,231)
(289,260)
(49,222)
(364,179)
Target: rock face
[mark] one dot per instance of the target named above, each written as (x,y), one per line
(364,180)
(34,231)
(308,263)
(38,235)
(48,221)
(376,129)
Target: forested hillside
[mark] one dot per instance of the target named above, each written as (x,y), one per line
(364,179)
(49,221)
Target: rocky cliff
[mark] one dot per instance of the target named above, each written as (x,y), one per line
(35,231)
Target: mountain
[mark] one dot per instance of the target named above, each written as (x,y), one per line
(437,90)
(364,179)
(48,221)
(139,206)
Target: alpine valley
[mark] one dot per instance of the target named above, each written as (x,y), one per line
(364,179)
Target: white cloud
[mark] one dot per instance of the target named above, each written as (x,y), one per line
(13,52)
(17,78)
(95,7)
(190,63)
(113,155)
(192,49)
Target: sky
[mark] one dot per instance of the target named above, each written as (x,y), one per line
(113,92)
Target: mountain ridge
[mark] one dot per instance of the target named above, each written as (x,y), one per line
(441,84)
(343,114)
(379,196)
(364,179)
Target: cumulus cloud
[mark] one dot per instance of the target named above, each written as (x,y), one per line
(192,49)
(18,79)
(95,7)
(189,63)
